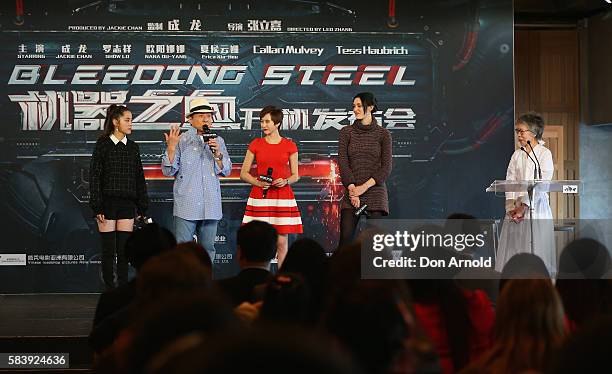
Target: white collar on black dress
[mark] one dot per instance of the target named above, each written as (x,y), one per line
(115,140)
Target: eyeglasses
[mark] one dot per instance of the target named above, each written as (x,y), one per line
(519,131)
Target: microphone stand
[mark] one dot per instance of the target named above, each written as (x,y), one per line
(530,189)
(538,167)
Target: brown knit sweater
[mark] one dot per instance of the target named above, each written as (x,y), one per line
(364,152)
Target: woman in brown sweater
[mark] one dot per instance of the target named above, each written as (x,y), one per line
(364,155)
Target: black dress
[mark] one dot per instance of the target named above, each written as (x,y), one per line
(116,180)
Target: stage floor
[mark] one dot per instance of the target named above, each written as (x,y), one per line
(48,323)
(47,314)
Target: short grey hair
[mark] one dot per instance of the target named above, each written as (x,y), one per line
(534,122)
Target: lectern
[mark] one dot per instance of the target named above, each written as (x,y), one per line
(535,186)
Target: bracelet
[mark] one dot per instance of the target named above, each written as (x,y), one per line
(287,180)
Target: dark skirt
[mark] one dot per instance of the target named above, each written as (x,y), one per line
(118,208)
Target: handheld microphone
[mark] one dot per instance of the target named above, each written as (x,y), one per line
(141,223)
(266,178)
(207,135)
(362,210)
(538,167)
(535,176)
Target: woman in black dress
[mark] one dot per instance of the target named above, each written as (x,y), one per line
(117,190)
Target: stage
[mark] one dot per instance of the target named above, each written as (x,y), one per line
(48,323)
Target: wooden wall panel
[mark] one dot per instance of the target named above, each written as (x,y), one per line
(521,71)
(547,81)
(553,136)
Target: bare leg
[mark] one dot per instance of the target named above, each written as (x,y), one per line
(108,225)
(126,225)
(281,248)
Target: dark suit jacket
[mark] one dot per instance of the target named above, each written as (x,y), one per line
(242,287)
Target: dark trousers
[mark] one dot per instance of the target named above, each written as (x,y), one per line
(349,222)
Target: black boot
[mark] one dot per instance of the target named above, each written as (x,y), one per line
(122,263)
(108,258)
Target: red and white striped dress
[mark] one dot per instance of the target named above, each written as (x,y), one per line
(279,208)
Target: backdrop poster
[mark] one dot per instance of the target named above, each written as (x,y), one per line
(442,74)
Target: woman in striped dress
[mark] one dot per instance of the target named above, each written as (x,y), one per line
(273,201)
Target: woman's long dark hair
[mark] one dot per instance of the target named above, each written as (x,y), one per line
(113,112)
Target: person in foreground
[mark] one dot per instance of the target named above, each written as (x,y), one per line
(257,241)
(529,328)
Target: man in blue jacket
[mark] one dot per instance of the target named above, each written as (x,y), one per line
(196,159)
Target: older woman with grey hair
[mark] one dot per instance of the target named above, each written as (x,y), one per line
(531,161)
